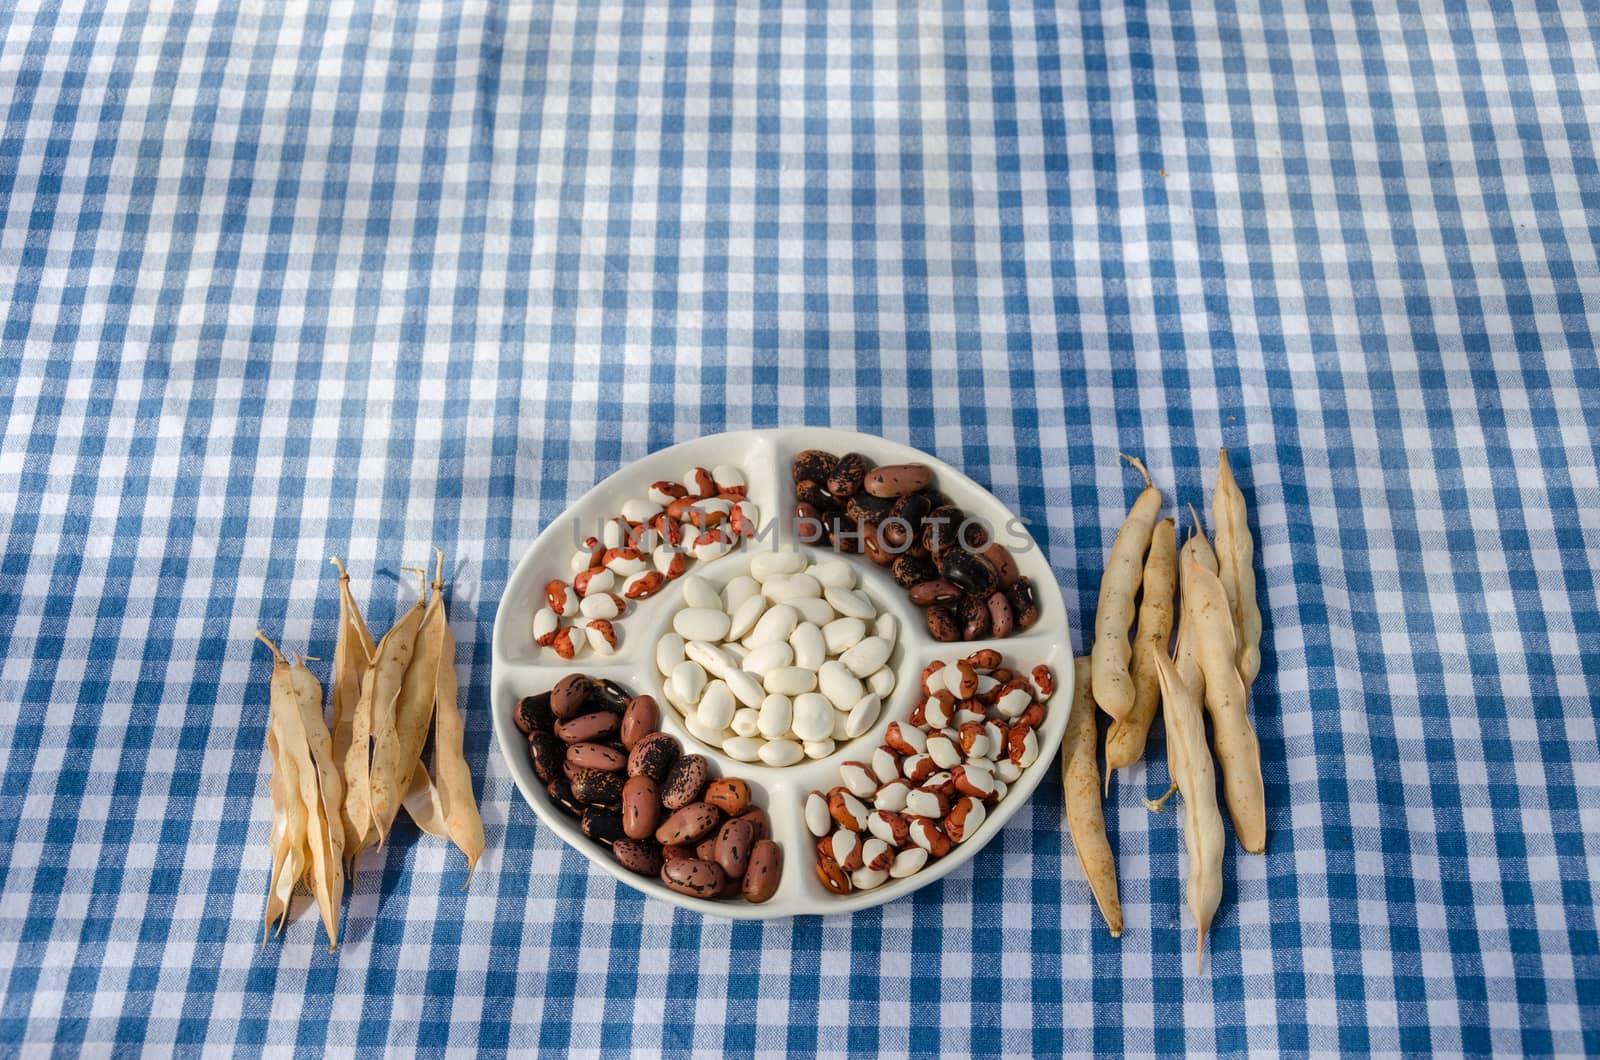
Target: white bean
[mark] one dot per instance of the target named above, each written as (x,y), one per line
(818,748)
(701,731)
(716,706)
(888,627)
(700,623)
(737,591)
(865,879)
(835,572)
(839,685)
(764,565)
(841,722)
(866,657)
(712,657)
(687,682)
(775,625)
(813,610)
(697,592)
(842,634)
(781,753)
(813,717)
(882,682)
(862,715)
(743,749)
(745,688)
(775,716)
(746,615)
(746,722)
(768,657)
(850,602)
(789,680)
(783,588)
(809,645)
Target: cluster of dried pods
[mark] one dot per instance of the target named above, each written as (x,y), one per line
(1216,657)
(336,792)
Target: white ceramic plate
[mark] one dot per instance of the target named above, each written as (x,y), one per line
(522,668)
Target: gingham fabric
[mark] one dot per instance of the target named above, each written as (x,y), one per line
(286,280)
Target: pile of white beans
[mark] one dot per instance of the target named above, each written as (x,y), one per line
(787,660)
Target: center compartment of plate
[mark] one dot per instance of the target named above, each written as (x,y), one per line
(779,656)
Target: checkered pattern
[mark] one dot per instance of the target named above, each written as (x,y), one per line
(282,280)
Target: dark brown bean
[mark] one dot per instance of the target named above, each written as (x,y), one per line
(942,624)
(596,756)
(609,695)
(643,858)
(560,793)
(866,509)
(691,876)
(586,728)
(758,820)
(1000,614)
(642,718)
(1024,607)
(685,781)
(939,528)
(897,480)
(534,714)
(808,525)
(846,535)
(677,853)
(1004,564)
(911,510)
(569,695)
(872,548)
(933,592)
(728,794)
(596,787)
(814,464)
(973,613)
(814,494)
(971,572)
(733,844)
(848,475)
(547,754)
(910,571)
(641,807)
(653,756)
(689,825)
(602,824)
(763,872)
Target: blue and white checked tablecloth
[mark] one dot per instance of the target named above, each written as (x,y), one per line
(281,280)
